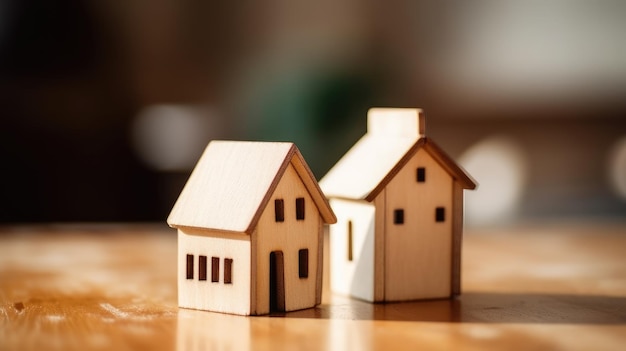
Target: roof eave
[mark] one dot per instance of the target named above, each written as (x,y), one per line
(456,171)
(307,177)
(387,178)
(270,190)
(309,181)
(196,228)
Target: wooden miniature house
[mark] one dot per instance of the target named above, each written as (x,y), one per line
(250,222)
(399,203)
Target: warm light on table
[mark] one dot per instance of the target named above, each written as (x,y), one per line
(114,287)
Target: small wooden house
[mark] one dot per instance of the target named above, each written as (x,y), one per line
(399,203)
(250,222)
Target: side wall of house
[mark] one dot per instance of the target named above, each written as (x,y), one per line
(457,239)
(379,246)
(418,250)
(352,249)
(216,248)
(288,236)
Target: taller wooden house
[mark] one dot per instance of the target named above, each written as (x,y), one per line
(399,203)
(250,222)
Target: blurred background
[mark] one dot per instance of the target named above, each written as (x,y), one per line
(107,105)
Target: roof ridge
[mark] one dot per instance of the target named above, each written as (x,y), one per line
(232,184)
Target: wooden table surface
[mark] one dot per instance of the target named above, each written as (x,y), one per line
(81,287)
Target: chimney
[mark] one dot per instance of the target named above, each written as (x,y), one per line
(398,122)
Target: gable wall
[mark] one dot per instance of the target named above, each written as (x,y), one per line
(289,237)
(418,252)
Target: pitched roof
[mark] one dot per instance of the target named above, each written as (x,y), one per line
(233,181)
(378,156)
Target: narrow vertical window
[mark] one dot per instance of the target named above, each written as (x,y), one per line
(421,174)
(189,266)
(201,267)
(303,263)
(228,271)
(350,243)
(300,208)
(215,269)
(279,210)
(398,216)
(440,214)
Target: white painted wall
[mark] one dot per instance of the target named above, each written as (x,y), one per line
(356,277)
(206,295)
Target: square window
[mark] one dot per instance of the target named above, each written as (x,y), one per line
(440,214)
(201,267)
(228,271)
(421,174)
(215,269)
(398,216)
(300,208)
(279,210)
(303,263)
(189,266)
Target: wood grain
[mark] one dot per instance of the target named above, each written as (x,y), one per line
(418,252)
(103,287)
(232,183)
(214,294)
(457,238)
(289,237)
(413,252)
(229,186)
(223,212)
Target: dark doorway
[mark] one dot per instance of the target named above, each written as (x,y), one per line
(277,282)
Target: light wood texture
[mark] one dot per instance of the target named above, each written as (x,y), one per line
(456,171)
(215,296)
(418,259)
(319,267)
(418,252)
(288,237)
(379,243)
(457,237)
(396,122)
(227,188)
(113,287)
(377,157)
(230,186)
(240,188)
(364,166)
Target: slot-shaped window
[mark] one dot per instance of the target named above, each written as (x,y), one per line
(300,208)
(228,271)
(215,269)
(421,174)
(350,243)
(189,266)
(279,210)
(303,263)
(398,216)
(201,267)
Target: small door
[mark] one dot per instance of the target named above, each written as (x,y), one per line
(277,282)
